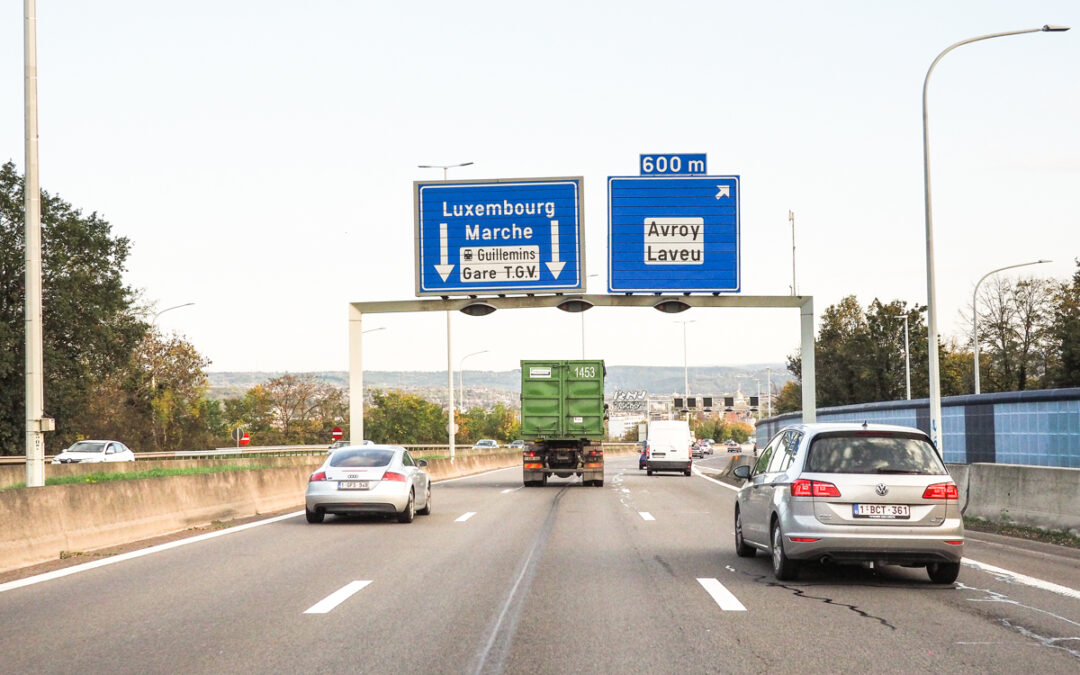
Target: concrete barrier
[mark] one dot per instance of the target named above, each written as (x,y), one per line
(1035,496)
(39,524)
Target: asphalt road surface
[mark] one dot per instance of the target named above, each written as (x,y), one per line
(639,576)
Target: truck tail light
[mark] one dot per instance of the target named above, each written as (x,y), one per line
(317,476)
(534,466)
(593,465)
(813,488)
(941,491)
(394,477)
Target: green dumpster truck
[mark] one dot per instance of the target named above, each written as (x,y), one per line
(562,421)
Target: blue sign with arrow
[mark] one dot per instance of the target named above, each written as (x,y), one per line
(499,236)
(673,234)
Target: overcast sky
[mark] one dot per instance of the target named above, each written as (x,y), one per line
(260,155)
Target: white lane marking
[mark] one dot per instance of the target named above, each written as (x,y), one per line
(336,598)
(645,515)
(718,482)
(465,517)
(512,489)
(48,576)
(1023,579)
(722,596)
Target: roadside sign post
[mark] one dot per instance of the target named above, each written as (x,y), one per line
(245,439)
(499,236)
(337,433)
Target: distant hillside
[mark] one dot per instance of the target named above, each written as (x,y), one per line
(706,380)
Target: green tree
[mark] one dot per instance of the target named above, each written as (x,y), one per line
(1064,333)
(90,322)
(790,398)
(398,417)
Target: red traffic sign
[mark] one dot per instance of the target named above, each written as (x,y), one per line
(337,433)
(245,439)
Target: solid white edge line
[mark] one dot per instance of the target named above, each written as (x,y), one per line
(645,515)
(56,574)
(336,598)
(723,597)
(1023,578)
(465,516)
(718,482)
(75,569)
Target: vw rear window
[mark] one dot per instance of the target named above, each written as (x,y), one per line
(361,458)
(868,452)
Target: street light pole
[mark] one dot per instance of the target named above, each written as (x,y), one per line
(35,377)
(461,376)
(975,312)
(451,427)
(907,359)
(153,325)
(686,371)
(931,317)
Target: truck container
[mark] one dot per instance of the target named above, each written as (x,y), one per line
(562,421)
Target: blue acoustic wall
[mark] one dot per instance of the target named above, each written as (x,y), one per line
(1039,428)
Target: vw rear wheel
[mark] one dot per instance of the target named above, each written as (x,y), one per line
(784,568)
(742,549)
(943,573)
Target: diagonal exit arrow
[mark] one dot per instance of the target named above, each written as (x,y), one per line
(555,266)
(443,269)
(723,191)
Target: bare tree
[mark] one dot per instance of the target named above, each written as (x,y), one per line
(1013,322)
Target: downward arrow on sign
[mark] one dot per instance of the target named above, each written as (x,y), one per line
(555,266)
(443,269)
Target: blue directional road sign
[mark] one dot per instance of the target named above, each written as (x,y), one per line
(673,234)
(522,235)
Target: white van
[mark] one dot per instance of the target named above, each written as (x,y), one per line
(669,446)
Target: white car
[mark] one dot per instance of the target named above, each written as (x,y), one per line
(369,479)
(82,452)
(485,444)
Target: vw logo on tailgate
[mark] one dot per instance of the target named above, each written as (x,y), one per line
(882,489)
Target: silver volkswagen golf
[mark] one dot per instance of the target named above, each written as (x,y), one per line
(850,493)
(369,479)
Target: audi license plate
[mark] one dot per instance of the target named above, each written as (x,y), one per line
(353,485)
(883,511)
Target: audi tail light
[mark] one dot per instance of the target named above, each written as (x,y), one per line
(394,477)
(317,476)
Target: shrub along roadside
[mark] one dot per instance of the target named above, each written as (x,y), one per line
(104,477)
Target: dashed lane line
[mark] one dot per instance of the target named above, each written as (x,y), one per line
(645,515)
(508,490)
(336,598)
(465,516)
(723,597)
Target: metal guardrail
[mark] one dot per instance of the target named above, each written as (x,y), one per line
(283,450)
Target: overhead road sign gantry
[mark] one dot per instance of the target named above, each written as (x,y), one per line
(669,234)
(499,236)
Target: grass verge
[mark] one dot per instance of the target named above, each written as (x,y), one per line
(1059,537)
(106,477)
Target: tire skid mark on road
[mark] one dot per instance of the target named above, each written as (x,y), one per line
(492,657)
